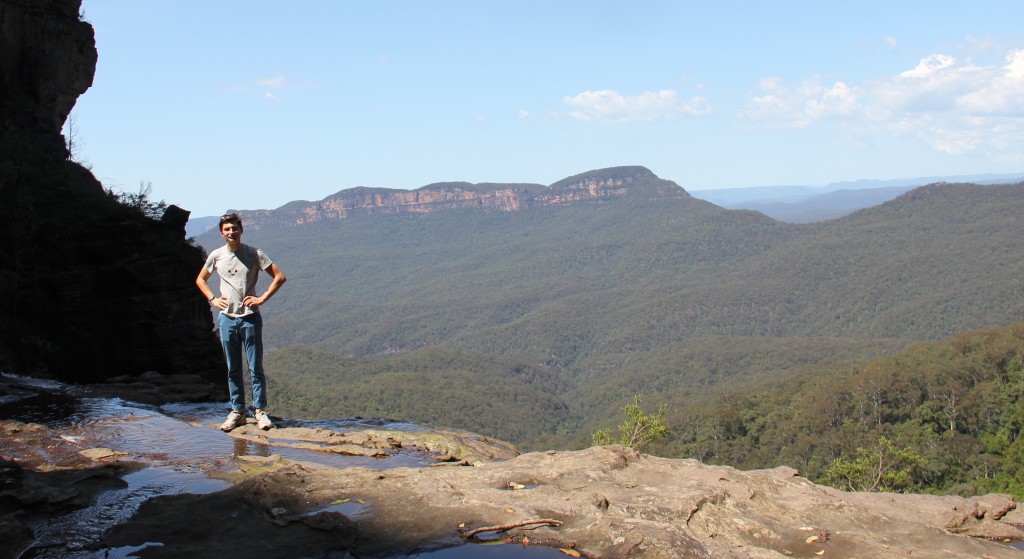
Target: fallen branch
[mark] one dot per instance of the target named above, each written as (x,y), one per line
(504,527)
(547,542)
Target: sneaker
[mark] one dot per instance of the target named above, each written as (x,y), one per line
(263,420)
(235,419)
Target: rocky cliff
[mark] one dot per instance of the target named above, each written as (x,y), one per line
(593,186)
(47,59)
(89,288)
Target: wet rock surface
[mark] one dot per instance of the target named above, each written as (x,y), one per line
(151,387)
(42,475)
(613,502)
(446,447)
(431,490)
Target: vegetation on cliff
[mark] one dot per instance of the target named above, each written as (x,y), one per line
(956,403)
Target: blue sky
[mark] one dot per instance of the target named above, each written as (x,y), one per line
(252,104)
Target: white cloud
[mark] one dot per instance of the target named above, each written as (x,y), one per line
(271,87)
(953,106)
(650,106)
(1003,92)
(261,84)
(1015,65)
(933,86)
(893,42)
(929,66)
(980,44)
(802,106)
(276,81)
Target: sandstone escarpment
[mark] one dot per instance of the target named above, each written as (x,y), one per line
(380,201)
(593,186)
(89,289)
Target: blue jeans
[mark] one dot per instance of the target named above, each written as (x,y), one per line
(237,334)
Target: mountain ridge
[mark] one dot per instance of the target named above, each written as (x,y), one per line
(591,186)
(791,204)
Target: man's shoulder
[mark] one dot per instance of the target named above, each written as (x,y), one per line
(219,251)
(249,253)
(249,249)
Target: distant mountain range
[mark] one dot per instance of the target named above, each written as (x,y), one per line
(198,225)
(806,204)
(794,204)
(626,231)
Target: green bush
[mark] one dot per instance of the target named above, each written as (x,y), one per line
(884,468)
(639,430)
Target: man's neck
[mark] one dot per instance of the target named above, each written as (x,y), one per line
(233,247)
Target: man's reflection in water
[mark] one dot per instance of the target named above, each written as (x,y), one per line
(249,448)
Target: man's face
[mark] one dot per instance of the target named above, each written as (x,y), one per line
(231,232)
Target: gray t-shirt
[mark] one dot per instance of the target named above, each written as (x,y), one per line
(238,273)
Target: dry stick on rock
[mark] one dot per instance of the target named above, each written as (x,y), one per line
(502,528)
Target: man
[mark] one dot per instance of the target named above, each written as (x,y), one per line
(240,324)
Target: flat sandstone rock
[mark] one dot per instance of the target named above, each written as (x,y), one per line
(607,502)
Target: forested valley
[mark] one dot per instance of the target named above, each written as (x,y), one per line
(890,334)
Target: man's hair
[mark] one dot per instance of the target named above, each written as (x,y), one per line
(230,218)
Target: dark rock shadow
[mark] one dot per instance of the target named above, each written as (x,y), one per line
(253,519)
(28,495)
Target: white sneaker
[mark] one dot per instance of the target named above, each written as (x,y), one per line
(263,420)
(235,419)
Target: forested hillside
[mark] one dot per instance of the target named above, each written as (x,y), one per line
(956,406)
(536,325)
(492,395)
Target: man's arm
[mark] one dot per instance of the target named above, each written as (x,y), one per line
(254,302)
(204,286)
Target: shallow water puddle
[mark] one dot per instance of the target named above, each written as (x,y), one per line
(66,536)
(180,435)
(348,507)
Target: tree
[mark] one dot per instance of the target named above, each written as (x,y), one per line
(73,141)
(140,201)
(639,430)
(883,468)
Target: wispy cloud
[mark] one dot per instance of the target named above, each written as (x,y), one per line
(651,106)
(269,88)
(951,105)
(276,82)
